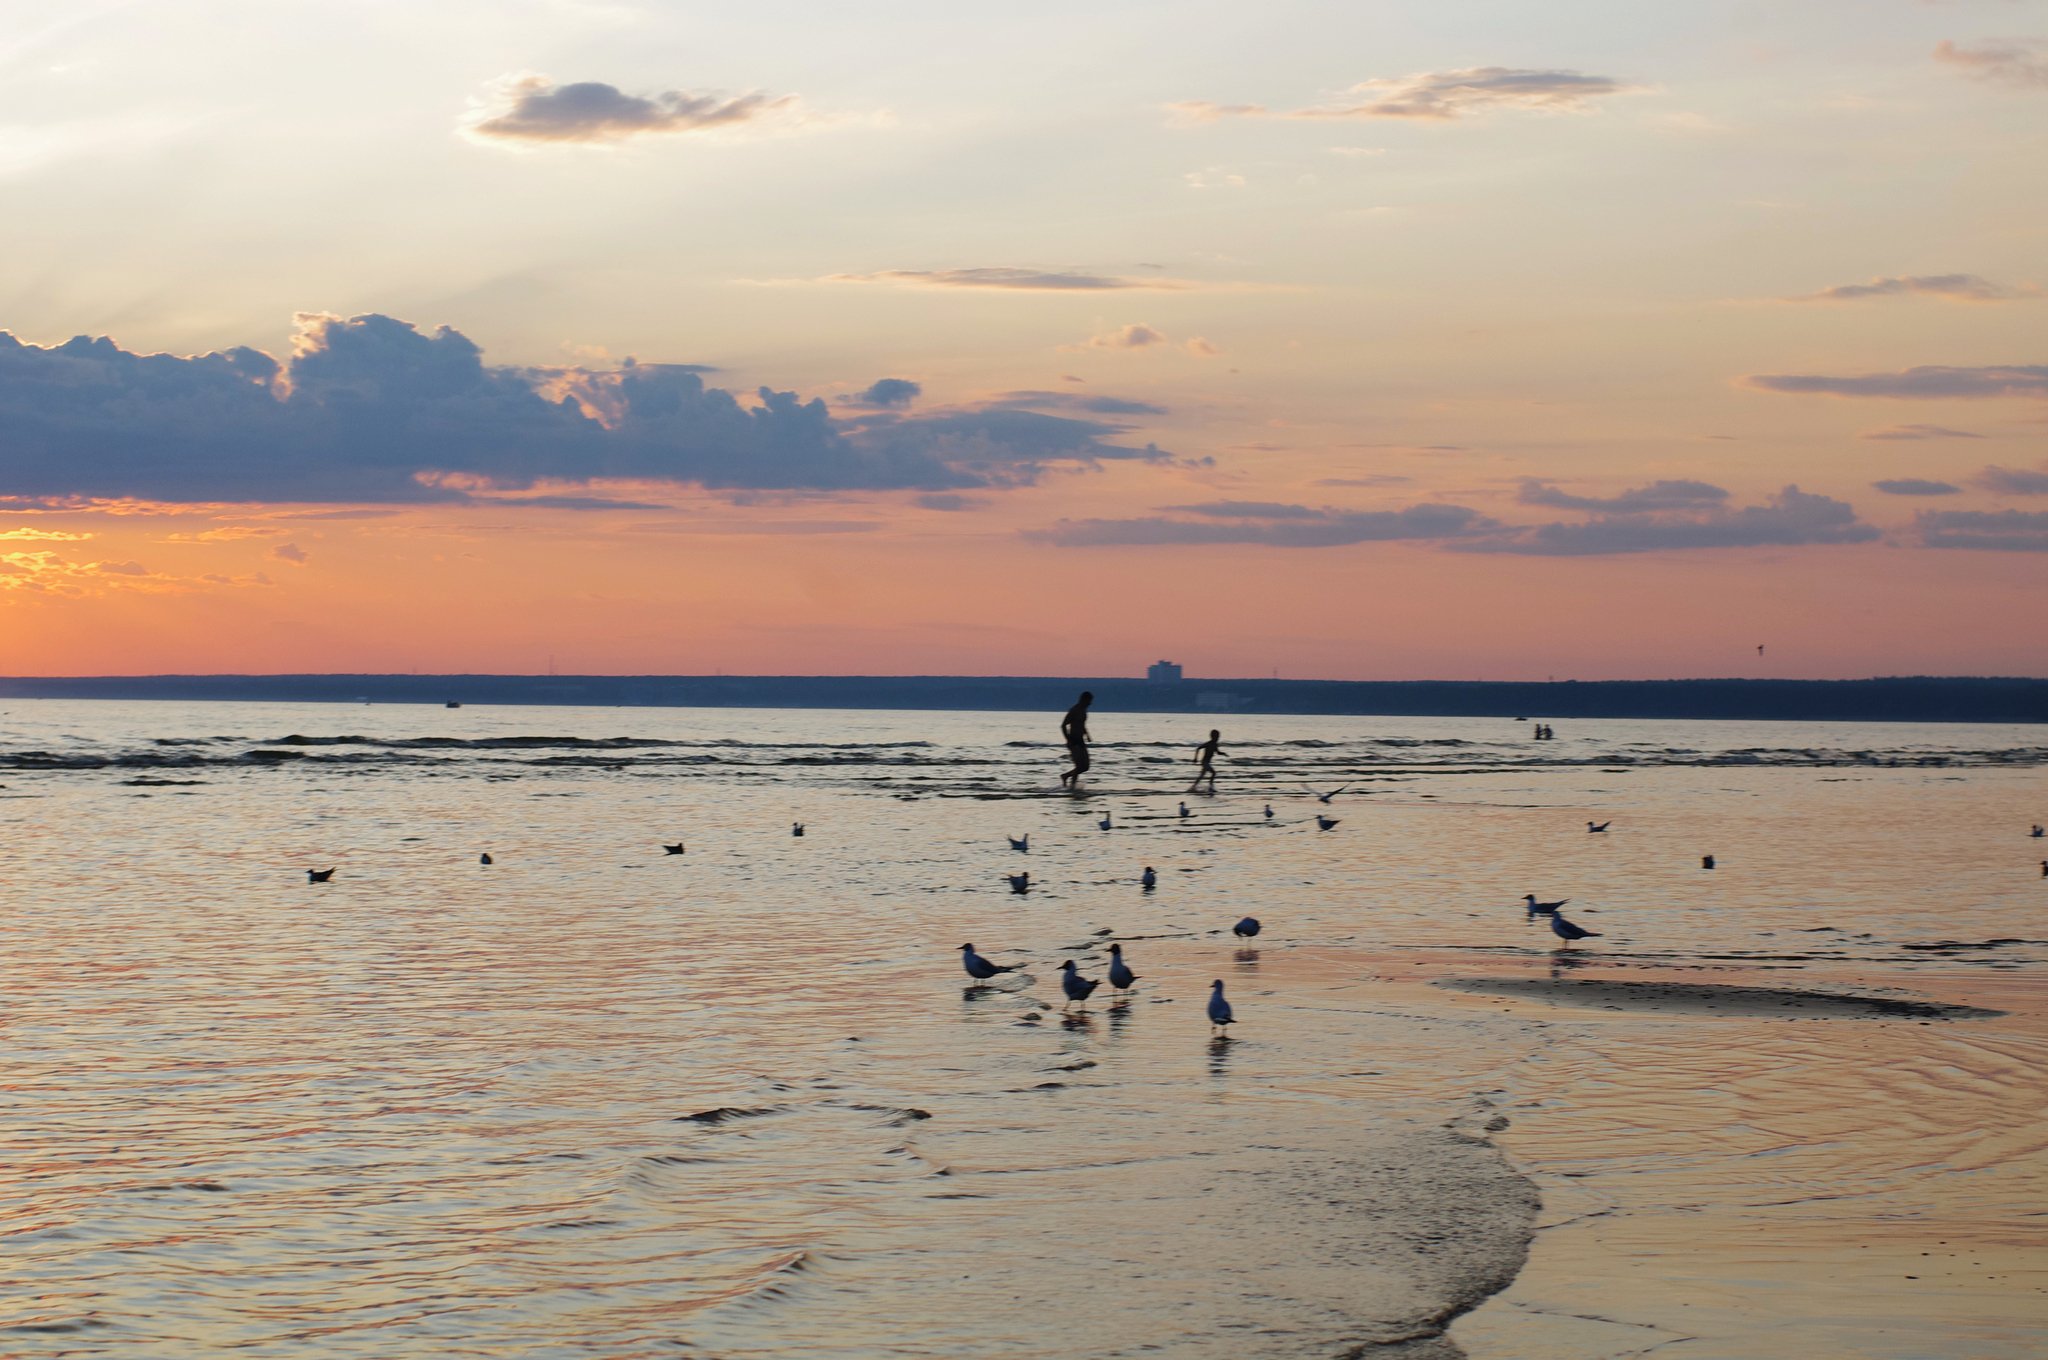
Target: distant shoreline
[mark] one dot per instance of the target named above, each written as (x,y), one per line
(1890,699)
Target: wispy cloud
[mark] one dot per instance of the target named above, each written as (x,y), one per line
(1985,530)
(1010,278)
(533,108)
(1668,495)
(1949,287)
(41,536)
(1435,95)
(1915,384)
(2005,481)
(1792,518)
(1915,486)
(888,394)
(1268,524)
(1911,432)
(2007,61)
(1137,335)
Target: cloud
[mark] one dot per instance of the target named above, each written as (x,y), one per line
(2009,61)
(1077,401)
(1953,287)
(1137,335)
(573,503)
(1270,525)
(1435,95)
(2003,481)
(947,500)
(1986,530)
(1903,432)
(887,393)
(40,536)
(290,552)
(1201,348)
(1215,177)
(1915,486)
(1790,518)
(372,411)
(121,568)
(534,108)
(1009,278)
(1914,384)
(1669,495)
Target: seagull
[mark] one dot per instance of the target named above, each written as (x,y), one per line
(1104,823)
(1706,861)
(1246,928)
(1021,883)
(1595,828)
(1184,811)
(1325,823)
(2044,868)
(1021,843)
(675,849)
(796,828)
(1269,812)
(979,968)
(1149,879)
(484,858)
(1326,797)
(1074,985)
(319,875)
(2038,832)
(1219,1009)
(1542,908)
(1120,975)
(1566,931)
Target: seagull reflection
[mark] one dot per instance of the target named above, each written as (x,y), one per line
(1219,1054)
(1245,958)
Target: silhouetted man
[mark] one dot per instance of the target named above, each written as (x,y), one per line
(1074,727)
(1207,753)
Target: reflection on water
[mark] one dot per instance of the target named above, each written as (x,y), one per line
(595,1100)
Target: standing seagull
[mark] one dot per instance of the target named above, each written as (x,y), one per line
(1021,883)
(1184,811)
(796,828)
(1269,812)
(1120,975)
(979,968)
(484,858)
(1219,1009)
(2039,831)
(1149,879)
(1021,843)
(1075,986)
(2044,868)
(1706,861)
(675,849)
(1566,931)
(1105,822)
(1246,928)
(1325,823)
(319,875)
(1595,828)
(1537,909)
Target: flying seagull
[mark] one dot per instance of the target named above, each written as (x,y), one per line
(1326,823)
(1021,843)
(1149,879)
(1595,828)
(1120,975)
(979,968)
(1542,908)
(1219,1009)
(319,875)
(1021,883)
(1566,931)
(1326,797)
(1074,985)
(1246,928)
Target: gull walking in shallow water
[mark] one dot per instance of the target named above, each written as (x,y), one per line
(1219,1009)
(1269,812)
(1595,828)
(796,828)
(1075,986)
(675,849)
(484,858)
(1326,823)
(1537,909)
(1149,879)
(1566,931)
(979,968)
(1120,975)
(1184,811)
(1246,928)
(319,875)
(1105,823)
(1022,843)
(1021,883)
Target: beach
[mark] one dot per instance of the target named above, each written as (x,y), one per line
(597,1100)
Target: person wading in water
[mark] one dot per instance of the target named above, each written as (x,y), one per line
(1074,727)
(1207,753)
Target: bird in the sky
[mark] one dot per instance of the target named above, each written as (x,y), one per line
(1105,823)
(1759,649)
(1021,883)
(1021,843)
(1120,975)
(796,828)
(979,968)
(1326,823)
(1541,908)
(1566,931)
(319,875)
(1149,879)
(484,858)
(1326,797)
(1219,1010)
(675,849)
(1595,828)
(1246,928)
(1074,985)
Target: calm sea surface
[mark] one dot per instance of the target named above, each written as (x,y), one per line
(595,1100)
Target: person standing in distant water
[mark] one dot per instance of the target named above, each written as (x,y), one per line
(1074,727)
(1207,753)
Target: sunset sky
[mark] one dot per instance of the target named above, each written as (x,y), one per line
(1349,339)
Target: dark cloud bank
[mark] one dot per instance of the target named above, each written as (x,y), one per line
(371,410)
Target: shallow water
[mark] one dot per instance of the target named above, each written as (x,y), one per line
(595,1100)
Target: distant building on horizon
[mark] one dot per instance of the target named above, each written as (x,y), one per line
(1163,672)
